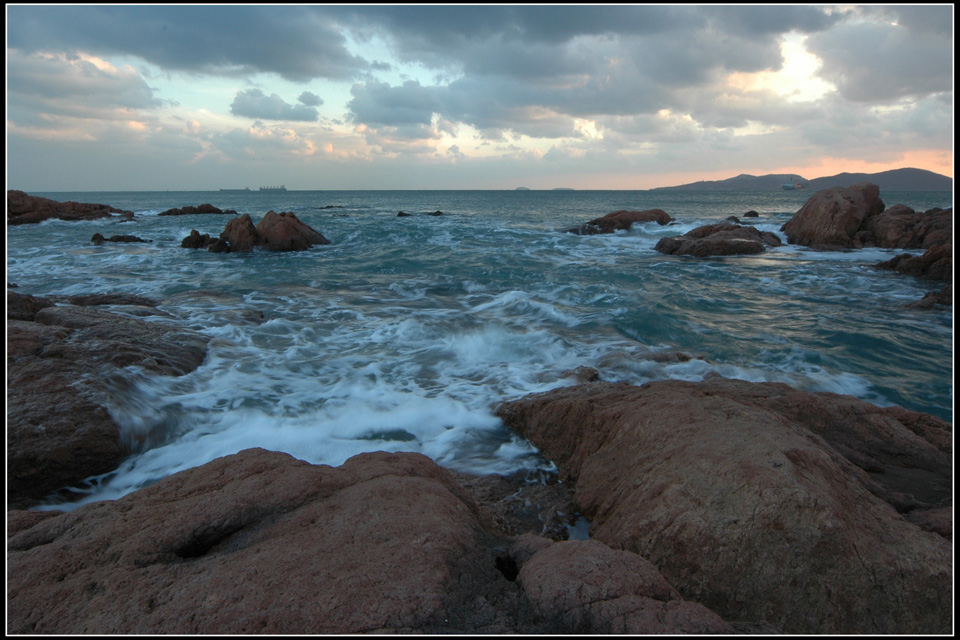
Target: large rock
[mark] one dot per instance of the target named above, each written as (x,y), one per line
(61,361)
(620,221)
(191,210)
(760,501)
(240,234)
(259,542)
(26,209)
(900,227)
(274,232)
(831,218)
(723,239)
(285,232)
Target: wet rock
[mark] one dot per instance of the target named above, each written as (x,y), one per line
(831,218)
(285,232)
(621,220)
(936,263)
(98,239)
(197,241)
(61,363)
(27,209)
(190,210)
(240,235)
(759,501)
(721,239)
(900,227)
(751,214)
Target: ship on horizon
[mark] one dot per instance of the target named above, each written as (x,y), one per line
(280,188)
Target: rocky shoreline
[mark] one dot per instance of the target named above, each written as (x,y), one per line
(715,507)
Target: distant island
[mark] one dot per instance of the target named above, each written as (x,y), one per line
(523,188)
(894,180)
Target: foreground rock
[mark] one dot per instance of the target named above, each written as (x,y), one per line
(935,264)
(259,542)
(723,239)
(274,232)
(621,221)
(760,501)
(61,361)
(855,217)
(27,209)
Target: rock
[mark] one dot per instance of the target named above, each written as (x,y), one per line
(99,239)
(751,214)
(759,501)
(588,587)
(240,234)
(721,239)
(621,220)
(733,219)
(27,209)
(196,241)
(189,210)
(285,232)
(62,364)
(943,297)
(403,214)
(936,263)
(436,213)
(900,227)
(831,218)
(259,542)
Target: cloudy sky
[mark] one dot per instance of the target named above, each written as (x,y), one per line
(471,97)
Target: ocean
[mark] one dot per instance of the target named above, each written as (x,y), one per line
(405,332)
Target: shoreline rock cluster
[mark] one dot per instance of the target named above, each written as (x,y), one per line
(274,232)
(27,209)
(716,507)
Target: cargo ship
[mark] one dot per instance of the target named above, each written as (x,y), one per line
(280,188)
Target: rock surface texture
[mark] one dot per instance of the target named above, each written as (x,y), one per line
(259,542)
(274,232)
(26,209)
(62,364)
(762,502)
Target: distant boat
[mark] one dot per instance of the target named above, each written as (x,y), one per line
(244,190)
(280,188)
(790,186)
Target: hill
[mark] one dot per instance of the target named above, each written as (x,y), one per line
(894,180)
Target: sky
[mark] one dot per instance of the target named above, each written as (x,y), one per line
(203,97)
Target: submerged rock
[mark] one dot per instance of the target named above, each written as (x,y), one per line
(723,239)
(99,239)
(759,501)
(27,209)
(621,220)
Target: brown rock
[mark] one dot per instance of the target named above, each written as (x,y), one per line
(61,362)
(285,232)
(943,297)
(749,498)
(721,239)
(831,218)
(936,263)
(590,588)
(26,209)
(197,241)
(259,542)
(99,239)
(240,234)
(621,220)
(900,227)
(190,210)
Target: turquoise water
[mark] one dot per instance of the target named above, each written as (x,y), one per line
(405,331)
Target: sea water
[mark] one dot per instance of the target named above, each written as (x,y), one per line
(405,332)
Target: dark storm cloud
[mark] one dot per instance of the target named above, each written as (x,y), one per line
(297,43)
(254,103)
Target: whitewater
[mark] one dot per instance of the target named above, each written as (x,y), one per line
(405,332)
